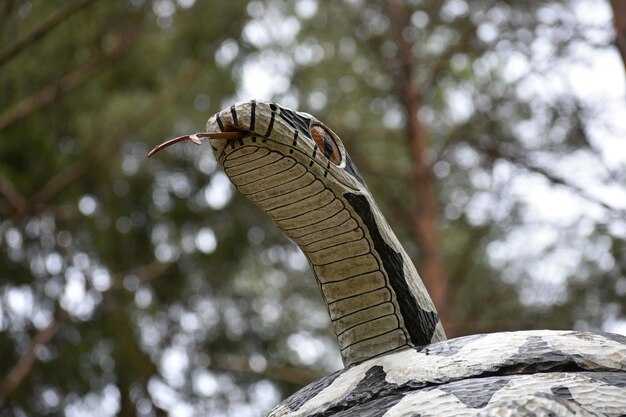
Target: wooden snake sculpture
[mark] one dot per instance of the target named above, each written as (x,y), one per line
(398,362)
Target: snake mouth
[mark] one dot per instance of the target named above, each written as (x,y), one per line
(195,138)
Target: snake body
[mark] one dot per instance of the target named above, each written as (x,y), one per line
(297,171)
(398,362)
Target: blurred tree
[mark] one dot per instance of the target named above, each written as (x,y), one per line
(619,20)
(425,218)
(511,129)
(118,277)
(137,287)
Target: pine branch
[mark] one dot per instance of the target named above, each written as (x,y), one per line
(238,363)
(525,164)
(14,197)
(25,363)
(110,145)
(44,27)
(65,84)
(145,273)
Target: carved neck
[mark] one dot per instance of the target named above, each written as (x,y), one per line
(376,301)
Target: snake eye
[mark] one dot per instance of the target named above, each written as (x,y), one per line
(325,142)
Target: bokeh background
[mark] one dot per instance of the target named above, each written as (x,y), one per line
(139,287)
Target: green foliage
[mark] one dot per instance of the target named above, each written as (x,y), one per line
(154,290)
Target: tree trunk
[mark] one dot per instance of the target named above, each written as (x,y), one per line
(619,20)
(426,208)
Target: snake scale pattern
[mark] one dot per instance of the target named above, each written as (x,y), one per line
(297,171)
(398,361)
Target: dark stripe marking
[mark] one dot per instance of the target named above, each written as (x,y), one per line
(252,114)
(271,125)
(233,112)
(476,393)
(313,156)
(297,121)
(366,398)
(351,168)
(310,391)
(328,146)
(419,323)
(219,123)
(295,141)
